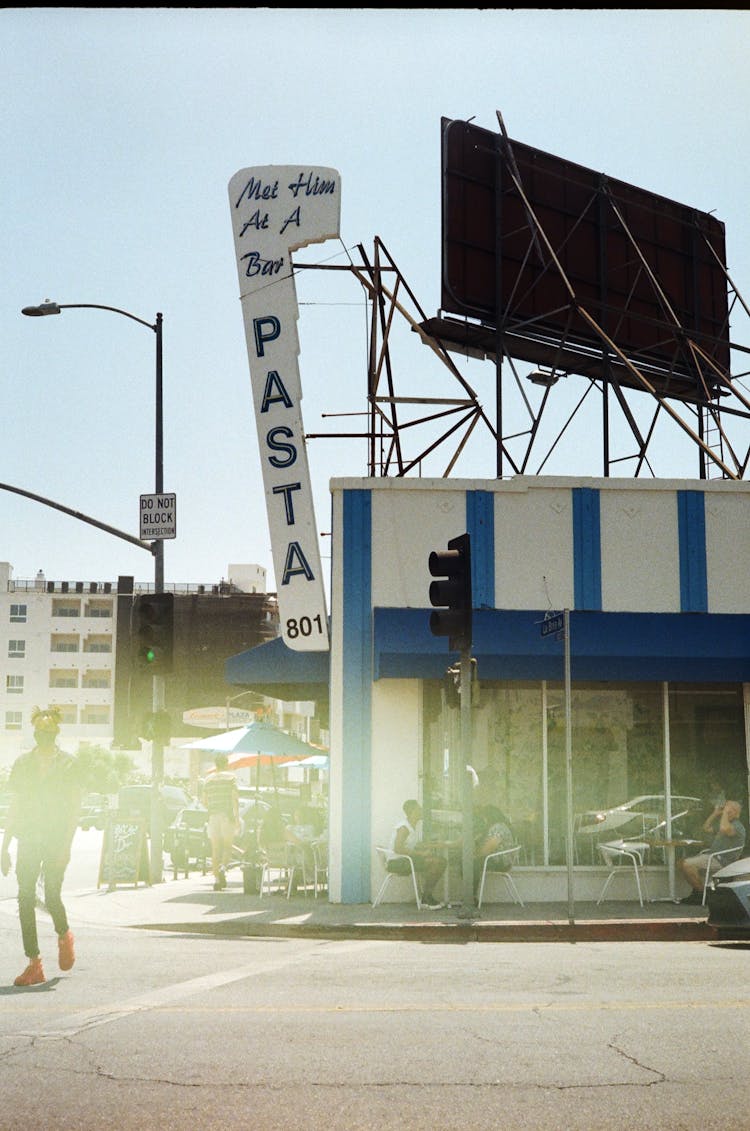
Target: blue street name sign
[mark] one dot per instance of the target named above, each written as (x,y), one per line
(553,624)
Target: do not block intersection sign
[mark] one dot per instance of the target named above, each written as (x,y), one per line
(158,516)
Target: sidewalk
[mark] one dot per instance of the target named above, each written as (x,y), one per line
(191,906)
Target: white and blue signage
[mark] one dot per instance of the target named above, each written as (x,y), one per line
(277,209)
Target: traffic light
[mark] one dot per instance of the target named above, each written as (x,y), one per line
(156,726)
(452,686)
(451,595)
(154,630)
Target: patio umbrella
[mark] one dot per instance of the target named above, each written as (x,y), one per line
(257,739)
(314,762)
(258,744)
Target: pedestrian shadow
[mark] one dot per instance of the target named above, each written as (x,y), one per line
(45,987)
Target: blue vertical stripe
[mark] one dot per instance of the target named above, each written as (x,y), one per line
(587,549)
(691,519)
(357,692)
(480,525)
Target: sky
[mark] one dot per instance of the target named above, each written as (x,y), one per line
(121,129)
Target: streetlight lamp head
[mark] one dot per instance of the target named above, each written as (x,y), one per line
(46,307)
(540,377)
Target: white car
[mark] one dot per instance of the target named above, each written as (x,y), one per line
(728,899)
(639,817)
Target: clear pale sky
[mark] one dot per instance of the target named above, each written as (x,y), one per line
(121,129)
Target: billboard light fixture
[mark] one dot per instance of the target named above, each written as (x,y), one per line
(539,377)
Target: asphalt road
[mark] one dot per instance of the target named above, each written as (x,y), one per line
(162,1031)
(166,1031)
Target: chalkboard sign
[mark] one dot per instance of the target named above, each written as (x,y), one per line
(124,852)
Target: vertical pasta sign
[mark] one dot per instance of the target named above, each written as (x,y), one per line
(275,210)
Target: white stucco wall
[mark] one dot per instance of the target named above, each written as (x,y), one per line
(640,550)
(728,548)
(533,546)
(407,525)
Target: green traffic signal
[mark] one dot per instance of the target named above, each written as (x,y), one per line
(153,630)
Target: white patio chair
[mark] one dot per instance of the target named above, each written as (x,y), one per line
(320,866)
(299,860)
(389,858)
(509,854)
(726,856)
(276,869)
(617,853)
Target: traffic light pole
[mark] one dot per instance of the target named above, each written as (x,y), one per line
(451,596)
(467,807)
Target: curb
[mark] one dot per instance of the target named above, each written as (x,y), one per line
(684,930)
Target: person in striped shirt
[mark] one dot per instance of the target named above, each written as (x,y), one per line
(221,798)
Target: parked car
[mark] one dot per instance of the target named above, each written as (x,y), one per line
(186,839)
(638,817)
(94,810)
(134,802)
(252,813)
(728,900)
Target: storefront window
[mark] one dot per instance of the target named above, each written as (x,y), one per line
(618,754)
(707,739)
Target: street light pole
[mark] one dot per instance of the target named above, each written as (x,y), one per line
(232,698)
(158,688)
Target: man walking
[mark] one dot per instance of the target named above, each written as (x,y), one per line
(43,816)
(221,798)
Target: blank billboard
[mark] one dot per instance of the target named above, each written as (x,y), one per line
(551,239)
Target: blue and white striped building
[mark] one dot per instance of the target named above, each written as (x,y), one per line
(656,577)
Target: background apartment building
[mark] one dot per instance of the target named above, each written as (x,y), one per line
(67,643)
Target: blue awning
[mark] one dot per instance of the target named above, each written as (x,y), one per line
(277,671)
(508,644)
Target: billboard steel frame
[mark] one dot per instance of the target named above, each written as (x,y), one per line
(407,430)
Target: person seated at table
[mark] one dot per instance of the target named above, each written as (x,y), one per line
(729,834)
(692,824)
(304,827)
(271,832)
(299,836)
(492,833)
(428,864)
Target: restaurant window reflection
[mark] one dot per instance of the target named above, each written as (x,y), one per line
(707,739)
(519,743)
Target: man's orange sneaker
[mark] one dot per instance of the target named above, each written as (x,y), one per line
(66,954)
(33,975)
